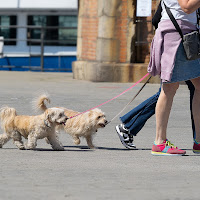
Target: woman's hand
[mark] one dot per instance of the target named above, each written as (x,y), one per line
(189,6)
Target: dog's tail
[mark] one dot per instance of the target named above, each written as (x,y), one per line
(39,103)
(7,116)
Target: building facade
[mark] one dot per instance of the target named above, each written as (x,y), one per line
(113,44)
(39,33)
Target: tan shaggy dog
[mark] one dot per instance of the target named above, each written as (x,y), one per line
(82,125)
(31,127)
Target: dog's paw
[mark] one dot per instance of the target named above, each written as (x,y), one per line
(58,148)
(92,147)
(22,148)
(29,147)
(77,141)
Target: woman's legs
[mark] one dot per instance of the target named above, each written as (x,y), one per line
(196,107)
(163,108)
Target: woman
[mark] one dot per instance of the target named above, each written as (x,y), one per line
(168,60)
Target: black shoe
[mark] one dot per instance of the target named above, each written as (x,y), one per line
(125,137)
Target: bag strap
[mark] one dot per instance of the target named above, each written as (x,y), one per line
(157,16)
(198,16)
(173,20)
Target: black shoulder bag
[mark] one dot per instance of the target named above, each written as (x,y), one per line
(191,41)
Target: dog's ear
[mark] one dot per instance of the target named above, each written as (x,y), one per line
(46,120)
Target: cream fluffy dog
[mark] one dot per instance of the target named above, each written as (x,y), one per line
(83,125)
(31,127)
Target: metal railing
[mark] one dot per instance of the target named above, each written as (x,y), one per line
(33,42)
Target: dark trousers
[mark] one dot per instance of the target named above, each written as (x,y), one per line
(135,119)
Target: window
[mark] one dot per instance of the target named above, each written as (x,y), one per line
(58,30)
(5,31)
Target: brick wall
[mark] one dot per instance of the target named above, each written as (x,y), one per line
(121,30)
(90,25)
(89,30)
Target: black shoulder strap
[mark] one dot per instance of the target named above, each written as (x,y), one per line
(198,16)
(173,20)
(157,16)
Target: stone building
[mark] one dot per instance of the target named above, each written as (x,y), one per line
(113,44)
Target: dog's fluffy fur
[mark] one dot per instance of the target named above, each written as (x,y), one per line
(83,125)
(31,127)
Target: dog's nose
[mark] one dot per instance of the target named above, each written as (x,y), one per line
(106,121)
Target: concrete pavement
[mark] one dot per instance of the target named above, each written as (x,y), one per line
(110,172)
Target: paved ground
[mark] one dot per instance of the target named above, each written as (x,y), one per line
(110,172)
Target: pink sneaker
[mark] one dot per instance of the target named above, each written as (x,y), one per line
(196,147)
(166,148)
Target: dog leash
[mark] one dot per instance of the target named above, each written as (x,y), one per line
(119,96)
(130,100)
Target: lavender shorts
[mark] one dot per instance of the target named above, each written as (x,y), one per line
(184,69)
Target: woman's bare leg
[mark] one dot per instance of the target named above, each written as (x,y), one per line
(163,108)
